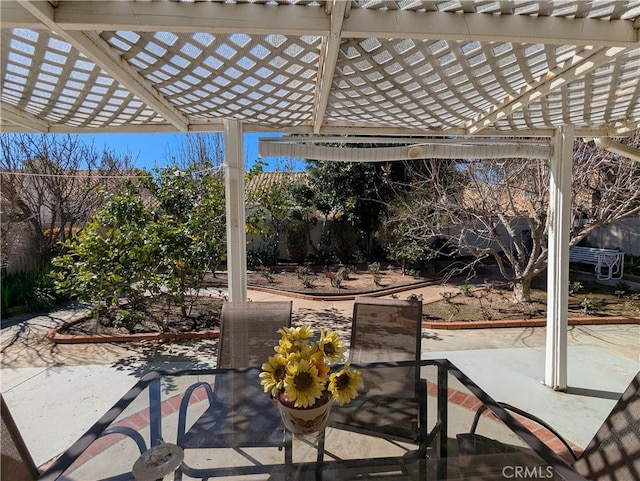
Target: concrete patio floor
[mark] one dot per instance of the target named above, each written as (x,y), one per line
(56,392)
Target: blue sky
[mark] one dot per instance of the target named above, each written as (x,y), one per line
(154,150)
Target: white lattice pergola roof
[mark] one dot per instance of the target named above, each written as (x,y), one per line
(363,66)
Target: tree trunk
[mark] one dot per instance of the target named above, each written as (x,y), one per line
(522,290)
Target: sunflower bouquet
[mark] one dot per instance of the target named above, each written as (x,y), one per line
(301,369)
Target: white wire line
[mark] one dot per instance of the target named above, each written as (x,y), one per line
(93,175)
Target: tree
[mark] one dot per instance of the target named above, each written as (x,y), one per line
(401,247)
(498,208)
(114,256)
(270,205)
(198,152)
(353,192)
(189,226)
(157,234)
(52,183)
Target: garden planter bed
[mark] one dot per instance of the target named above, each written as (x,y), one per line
(487,306)
(159,324)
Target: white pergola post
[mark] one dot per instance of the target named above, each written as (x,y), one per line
(558,259)
(234,198)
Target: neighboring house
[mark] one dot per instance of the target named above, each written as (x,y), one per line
(47,203)
(623,235)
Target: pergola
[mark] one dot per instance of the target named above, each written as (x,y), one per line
(442,78)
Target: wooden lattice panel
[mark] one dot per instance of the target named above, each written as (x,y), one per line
(47,78)
(275,77)
(587,101)
(268,79)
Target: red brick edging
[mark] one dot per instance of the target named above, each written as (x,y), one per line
(343,296)
(471,403)
(59,338)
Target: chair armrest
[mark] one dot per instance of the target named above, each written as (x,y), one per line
(529,416)
(184,404)
(130,432)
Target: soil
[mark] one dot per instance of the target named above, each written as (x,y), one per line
(491,301)
(157,316)
(325,280)
(492,304)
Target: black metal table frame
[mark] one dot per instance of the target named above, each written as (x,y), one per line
(438,433)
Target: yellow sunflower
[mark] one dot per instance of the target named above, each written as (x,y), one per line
(344,385)
(293,339)
(331,346)
(273,374)
(302,384)
(285,346)
(295,333)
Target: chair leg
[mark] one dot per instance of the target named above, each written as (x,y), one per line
(288,449)
(320,455)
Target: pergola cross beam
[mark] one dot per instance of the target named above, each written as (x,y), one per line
(83,15)
(22,118)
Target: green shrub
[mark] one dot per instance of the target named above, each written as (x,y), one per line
(303,271)
(307,281)
(466,289)
(588,305)
(33,289)
(632,265)
(295,238)
(345,237)
(344,272)
(374,268)
(575,287)
(260,256)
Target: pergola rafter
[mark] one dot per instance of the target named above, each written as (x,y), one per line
(327,62)
(361,23)
(23,119)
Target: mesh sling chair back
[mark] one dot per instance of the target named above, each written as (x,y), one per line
(16,463)
(614,452)
(386,330)
(612,455)
(248,334)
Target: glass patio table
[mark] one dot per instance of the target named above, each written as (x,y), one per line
(199,424)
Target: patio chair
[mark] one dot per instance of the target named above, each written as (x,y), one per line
(16,464)
(386,330)
(248,334)
(612,455)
